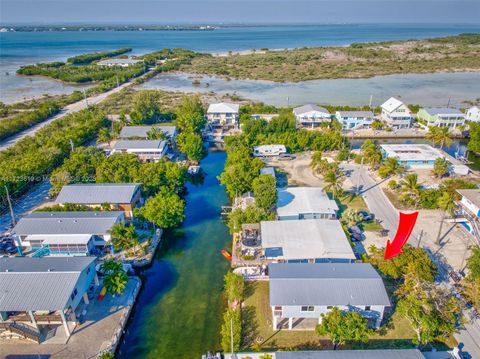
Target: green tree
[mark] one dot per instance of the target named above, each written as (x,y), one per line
(432,311)
(351,217)
(473,264)
(234,287)
(444,137)
(190,114)
(104,135)
(265,191)
(191,144)
(447,204)
(232,324)
(474,142)
(334,182)
(390,166)
(156,133)
(251,214)
(377,125)
(165,209)
(343,326)
(154,175)
(440,167)
(370,154)
(410,188)
(124,237)
(471,284)
(119,168)
(146,107)
(115,277)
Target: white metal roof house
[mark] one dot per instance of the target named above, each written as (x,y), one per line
(145,150)
(121,196)
(223,115)
(442,117)
(119,62)
(269,150)
(309,240)
(311,115)
(396,114)
(66,233)
(44,291)
(305,203)
(141,132)
(306,290)
(352,120)
(422,156)
(473,114)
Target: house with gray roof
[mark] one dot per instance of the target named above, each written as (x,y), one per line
(441,117)
(36,292)
(304,291)
(305,203)
(66,233)
(120,196)
(145,150)
(311,115)
(353,120)
(141,132)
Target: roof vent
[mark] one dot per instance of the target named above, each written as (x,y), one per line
(59,221)
(75,221)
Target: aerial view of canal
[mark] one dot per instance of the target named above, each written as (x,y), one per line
(178,312)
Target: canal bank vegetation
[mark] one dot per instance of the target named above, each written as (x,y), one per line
(32,158)
(452,53)
(471,283)
(231,331)
(474,142)
(89,58)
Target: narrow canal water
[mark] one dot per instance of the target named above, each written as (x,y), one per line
(178,312)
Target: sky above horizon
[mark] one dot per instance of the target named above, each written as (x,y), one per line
(236,11)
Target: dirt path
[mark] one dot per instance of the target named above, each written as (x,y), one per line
(298,171)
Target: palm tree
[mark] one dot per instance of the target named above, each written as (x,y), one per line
(440,167)
(334,181)
(124,237)
(115,282)
(447,204)
(351,217)
(443,137)
(410,187)
(316,161)
(432,134)
(391,166)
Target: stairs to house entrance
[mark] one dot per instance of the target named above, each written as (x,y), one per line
(21,330)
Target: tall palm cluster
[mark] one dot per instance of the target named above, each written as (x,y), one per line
(439,136)
(332,175)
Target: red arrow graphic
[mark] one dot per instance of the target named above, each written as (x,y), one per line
(405,228)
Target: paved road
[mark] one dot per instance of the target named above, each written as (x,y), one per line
(376,200)
(74,107)
(469,339)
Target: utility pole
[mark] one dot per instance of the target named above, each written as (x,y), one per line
(12,215)
(358,177)
(371,99)
(117,81)
(288,101)
(419,238)
(231,338)
(72,146)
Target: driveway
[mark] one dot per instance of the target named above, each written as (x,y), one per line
(74,107)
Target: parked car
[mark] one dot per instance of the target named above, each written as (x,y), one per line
(286,157)
(8,248)
(366,217)
(355,233)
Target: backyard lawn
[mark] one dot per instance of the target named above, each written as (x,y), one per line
(357,203)
(259,334)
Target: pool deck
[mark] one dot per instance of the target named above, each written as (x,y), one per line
(99,332)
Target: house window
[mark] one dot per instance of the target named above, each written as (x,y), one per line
(367,307)
(74,294)
(330,307)
(277,311)
(308,308)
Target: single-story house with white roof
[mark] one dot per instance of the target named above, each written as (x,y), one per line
(41,292)
(442,117)
(121,196)
(307,290)
(269,150)
(66,233)
(396,114)
(305,241)
(421,156)
(473,114)
(311,115)
(141,132)
(119,62)
(305,203)
(223,114)
(352,120)
(145,150)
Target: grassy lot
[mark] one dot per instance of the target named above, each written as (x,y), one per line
(453,53)
(257,318)
(358,204)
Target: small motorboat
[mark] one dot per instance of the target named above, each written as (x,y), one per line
(226,254)
(193,170)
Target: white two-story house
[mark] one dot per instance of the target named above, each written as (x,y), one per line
(352,120)
(473,114)
(223,115)
(305,291)
(469,210)
(311,115)
(396,114)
